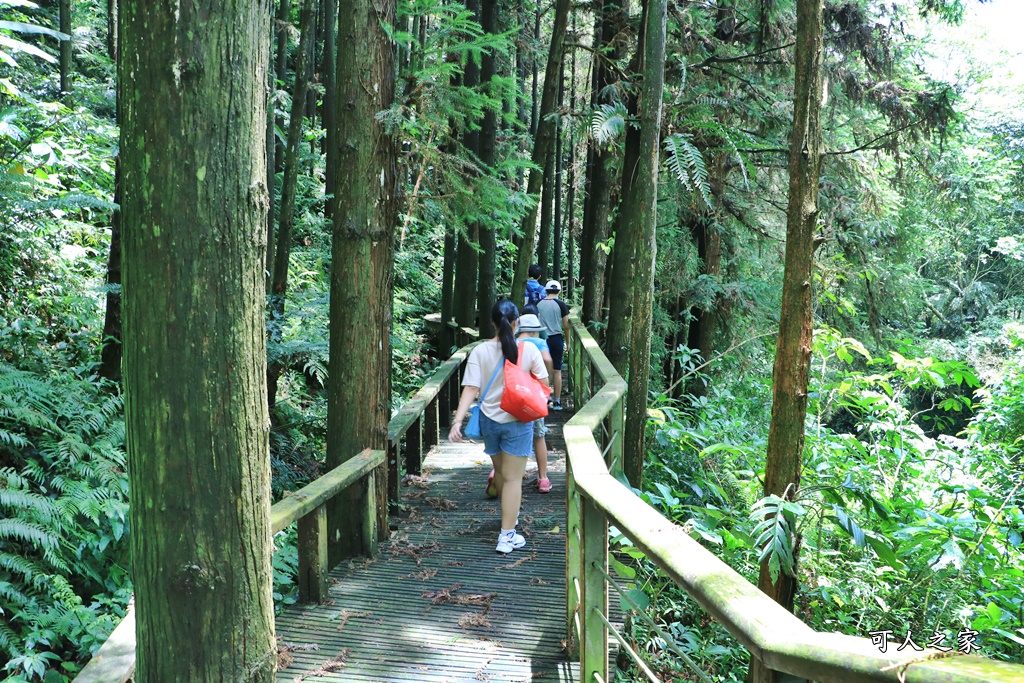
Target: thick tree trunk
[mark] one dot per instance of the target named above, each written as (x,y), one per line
(535,101)
(271,175)
(112,42)
(193,107)
(486,287)
(608,30)
(624,256)
(467,260)
(542,144)
(65,46)
(362,254)
(642,221)
(793,348)
(447,337)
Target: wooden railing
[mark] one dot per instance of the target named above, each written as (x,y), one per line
(411,432)
(593,439)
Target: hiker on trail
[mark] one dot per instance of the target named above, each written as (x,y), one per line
(554,316)
(534,291)
(508,441)
(529,330)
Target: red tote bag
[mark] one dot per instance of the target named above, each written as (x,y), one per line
(524,397)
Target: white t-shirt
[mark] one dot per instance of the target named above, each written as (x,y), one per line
(481,365)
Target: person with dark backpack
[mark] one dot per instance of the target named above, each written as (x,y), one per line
(534,289)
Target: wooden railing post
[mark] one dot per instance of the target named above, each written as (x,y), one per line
(393,475)
(617,436)
(573,565)
(431,432)
(370,512)
(444,405)
(414,447)
(312,551)
(594,640)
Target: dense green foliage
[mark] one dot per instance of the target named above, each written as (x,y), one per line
(910,511)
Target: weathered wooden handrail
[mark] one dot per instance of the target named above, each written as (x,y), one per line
(770,632)
(420,420)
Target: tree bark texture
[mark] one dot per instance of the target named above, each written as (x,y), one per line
(793,348)
(546,205)
(271,145)
(486,285)
(608,35)
(330,70)
(195,201)
(362,254)
(467,259)
(65,46)
(303,59)
(281,68)
(623,257)
(110,354)
(542,144)
(556,187)
(642,221)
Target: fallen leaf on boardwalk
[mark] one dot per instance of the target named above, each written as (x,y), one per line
(327,667)
(480,675)
(415,494)
(436,524)
(537,581)
(473,619)
(346,615)
(553,530)
(437,597)
(417,552)
(452,563)
(442,504)
(531,556)
(415,480)
(424,574)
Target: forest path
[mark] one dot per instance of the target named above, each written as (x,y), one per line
(438,603)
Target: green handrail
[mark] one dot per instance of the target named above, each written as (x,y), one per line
(770,632)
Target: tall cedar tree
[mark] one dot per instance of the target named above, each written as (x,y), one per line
(110,347)
(466,255)
(609,36)
(362,255)
(641,221)
(486,286)
(623,261)
(541,146)
(278,281)
(793,348)
(194,206)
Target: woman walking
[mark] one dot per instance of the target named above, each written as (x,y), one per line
(507,441)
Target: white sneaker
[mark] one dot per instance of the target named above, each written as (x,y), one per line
(509,542)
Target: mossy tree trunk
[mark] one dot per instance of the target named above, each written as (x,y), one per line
(609,35)
(542,144)
(362,255)
(64,21)
(642,221)
(486,285)
(193,211)
(793,348)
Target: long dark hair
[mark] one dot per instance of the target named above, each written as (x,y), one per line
(503,314)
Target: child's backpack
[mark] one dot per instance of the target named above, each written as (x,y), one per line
(534,292)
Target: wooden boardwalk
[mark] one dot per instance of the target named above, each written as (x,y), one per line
(438,603)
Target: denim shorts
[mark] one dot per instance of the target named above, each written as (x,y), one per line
(514,438)
(539,430)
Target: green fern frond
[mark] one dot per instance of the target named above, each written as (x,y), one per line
(21,566)
(687,163)
(607,122)
(26,501)
(27,532)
